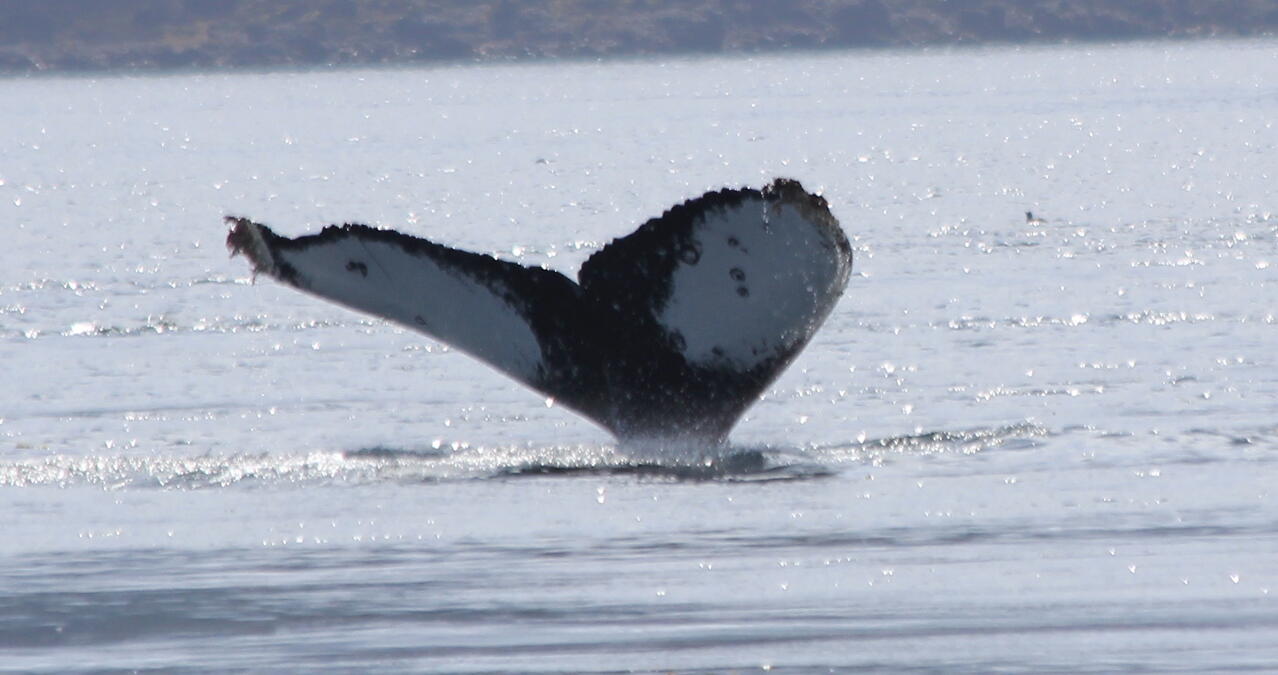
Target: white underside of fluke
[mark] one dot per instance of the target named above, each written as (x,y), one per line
(756,287)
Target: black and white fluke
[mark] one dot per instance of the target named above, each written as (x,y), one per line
(670,332)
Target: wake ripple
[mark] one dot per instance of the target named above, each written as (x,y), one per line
(461,461)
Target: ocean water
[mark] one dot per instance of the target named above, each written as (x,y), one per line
(1014,446)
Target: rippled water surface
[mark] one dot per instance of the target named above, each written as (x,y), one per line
(1014,445)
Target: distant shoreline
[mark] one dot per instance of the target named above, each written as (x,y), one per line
(86,36)
(432,64)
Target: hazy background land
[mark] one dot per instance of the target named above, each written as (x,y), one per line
(80,35)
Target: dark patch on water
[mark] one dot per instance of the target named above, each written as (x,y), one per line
(383,452)
(742,466)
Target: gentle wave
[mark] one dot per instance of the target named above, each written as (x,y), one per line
(462,461)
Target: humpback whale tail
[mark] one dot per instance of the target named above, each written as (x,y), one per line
(669,332)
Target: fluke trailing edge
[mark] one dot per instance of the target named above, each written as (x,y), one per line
(669,332)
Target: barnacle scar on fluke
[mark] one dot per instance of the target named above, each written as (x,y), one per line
(670,332)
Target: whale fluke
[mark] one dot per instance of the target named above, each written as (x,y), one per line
(670,332)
